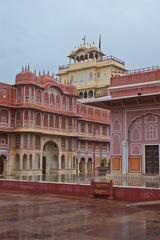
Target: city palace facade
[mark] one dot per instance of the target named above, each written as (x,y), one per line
(45,130)
(135,121)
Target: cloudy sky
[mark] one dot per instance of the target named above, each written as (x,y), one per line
(42,32)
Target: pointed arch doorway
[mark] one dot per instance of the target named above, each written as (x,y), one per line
(2,164)
(50,160)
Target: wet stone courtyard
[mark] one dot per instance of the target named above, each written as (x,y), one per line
(53,217)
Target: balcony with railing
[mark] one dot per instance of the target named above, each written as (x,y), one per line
(64,67)
(112,58)
(141,75)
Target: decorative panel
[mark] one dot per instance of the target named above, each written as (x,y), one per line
(116,163)
(135,163)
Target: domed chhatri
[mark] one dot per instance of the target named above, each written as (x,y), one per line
(90,70)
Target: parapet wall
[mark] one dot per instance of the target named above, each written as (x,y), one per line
(121,193)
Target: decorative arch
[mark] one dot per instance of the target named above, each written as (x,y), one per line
(52,99)
(135,149)
(30,161)
(50,156)
(139,117)
(38,119)
(37,161)
(62,162)
(57,122)
(85,95)
(89,166)
(74,162)
(38,95)
(63,123)
(116,125)
(58,101)
(135,134)
(81,58)
(4,116)
(17,161)
(64,101)
(51,121)
(116,144)
(90,94)
(81,94)
(26,116)
(26,92)
(45,121)
(24,161)
(82,165)
(46,98)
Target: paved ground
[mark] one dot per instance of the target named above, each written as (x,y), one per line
(50,217)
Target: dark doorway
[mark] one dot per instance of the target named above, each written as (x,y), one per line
(1,165)
(152,159)
(44,165)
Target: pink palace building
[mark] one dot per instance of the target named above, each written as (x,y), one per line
(135,121)
(43,128)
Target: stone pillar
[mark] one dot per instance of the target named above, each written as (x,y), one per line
(78,166)
(59,160)
(124,156)
(21,161)
(85,170)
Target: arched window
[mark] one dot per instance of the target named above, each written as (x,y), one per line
(90,94)
(85,94)
(52,99)
(86,57)
(62,162)
(51,121)
(74,162)
(31,117)
(64,101)
(54,163)
(57,122)
(32,93)
(38,119)
(24,161)
(38,96)
(17,161)
(26,117)
(26,93)
(70,123)
(19,94)
(18,118)
(81,94)
(63,125)
(91,55)
(30,161)
(3,116)
(77,58)
(96,55)
(82,58)
(46,98)
(37,161)
(45,121)
(57,100)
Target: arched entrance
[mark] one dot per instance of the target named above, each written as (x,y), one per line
(143,144)
(2,158)
(89,166)
(50,160)
(82,166)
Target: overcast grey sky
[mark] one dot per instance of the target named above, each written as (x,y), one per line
(42,32)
